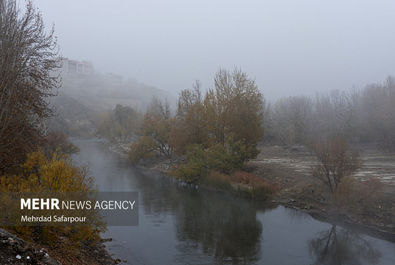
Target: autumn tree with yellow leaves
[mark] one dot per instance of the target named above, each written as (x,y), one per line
(216,131)
(41,174)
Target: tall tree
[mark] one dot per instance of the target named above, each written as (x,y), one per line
(190,126)
(28,59)
(157,125)
(235,108)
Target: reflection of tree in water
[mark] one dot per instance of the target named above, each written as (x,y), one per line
(158,194)
(342,247)
(223,227)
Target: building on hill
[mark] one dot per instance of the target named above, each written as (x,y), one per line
(74,67)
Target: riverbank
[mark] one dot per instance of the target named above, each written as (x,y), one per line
(14,250)
(180,225)
(58,246)
(289,169)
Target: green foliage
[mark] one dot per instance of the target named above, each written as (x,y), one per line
(235,107)
(230,156)
(217,132)
(219,158)
(224,158)
(226,124)
(196,165)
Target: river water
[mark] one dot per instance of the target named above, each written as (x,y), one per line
(183,226)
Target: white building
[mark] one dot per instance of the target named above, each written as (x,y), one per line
(74,67)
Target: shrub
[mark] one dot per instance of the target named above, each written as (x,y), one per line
(335,161)
(345,192)
(54,174)
(245,183)
(196,166)
(254,186)
(142,149)
(360,196)
(218,180)
(219,158)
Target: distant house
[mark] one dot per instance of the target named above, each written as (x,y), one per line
(74,67)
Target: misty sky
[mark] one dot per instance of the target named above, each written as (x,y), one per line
(290,47)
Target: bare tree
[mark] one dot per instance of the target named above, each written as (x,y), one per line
(291,117)
(376,114)
(334,161)
(28,58)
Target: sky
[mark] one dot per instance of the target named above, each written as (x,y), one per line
(290,47)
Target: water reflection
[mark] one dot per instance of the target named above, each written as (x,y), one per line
(224,228)
(338,246)
(182,226)
(221,226)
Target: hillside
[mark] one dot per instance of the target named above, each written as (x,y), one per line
(82,96)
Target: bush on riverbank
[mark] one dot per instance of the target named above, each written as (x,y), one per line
(221,127)
(196,166)
(142,149)
(54,174)
(217,133)
(241,182)
(358,197)
(224,158)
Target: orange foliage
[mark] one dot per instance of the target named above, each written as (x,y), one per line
(254,186)
(245,178)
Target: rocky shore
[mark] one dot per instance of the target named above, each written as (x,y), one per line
(14,250)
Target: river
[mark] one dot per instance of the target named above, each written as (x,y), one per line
(183,226)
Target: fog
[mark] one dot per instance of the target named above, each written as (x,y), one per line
(289,47)
(221,114)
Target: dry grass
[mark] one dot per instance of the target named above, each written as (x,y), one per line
(243,182)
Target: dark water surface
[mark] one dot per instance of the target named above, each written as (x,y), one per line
(182,226)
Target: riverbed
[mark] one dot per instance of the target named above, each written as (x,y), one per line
(179,225)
